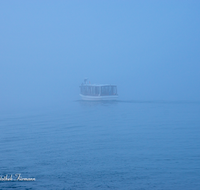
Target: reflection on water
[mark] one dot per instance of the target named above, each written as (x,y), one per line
(90,103)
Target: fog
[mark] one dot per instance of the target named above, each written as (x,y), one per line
(149,49)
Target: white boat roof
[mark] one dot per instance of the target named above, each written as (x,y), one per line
(99,85)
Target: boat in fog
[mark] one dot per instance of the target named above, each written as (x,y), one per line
(98,91)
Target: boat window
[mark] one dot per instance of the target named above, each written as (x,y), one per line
(98,90)
(106,90)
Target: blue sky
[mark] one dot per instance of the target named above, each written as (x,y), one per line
(150,49)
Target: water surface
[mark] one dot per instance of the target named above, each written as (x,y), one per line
(103,145)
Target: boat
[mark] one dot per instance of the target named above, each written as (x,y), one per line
(98,91)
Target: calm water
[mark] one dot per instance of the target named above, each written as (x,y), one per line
(96,145)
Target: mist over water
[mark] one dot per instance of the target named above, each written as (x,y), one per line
(147,139)
(150,50)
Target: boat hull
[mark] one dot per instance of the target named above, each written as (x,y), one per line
(93,98)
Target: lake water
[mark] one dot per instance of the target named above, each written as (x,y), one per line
(103,145)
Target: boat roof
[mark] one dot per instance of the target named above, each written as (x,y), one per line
(98,85)
(86,83)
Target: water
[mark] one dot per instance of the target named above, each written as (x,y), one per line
(98,145)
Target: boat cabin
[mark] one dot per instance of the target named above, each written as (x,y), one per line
(98,90)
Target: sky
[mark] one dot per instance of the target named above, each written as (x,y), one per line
(149,49)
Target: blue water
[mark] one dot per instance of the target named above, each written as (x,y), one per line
(103,145)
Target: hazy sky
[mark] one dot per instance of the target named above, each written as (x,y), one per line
(150,49)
